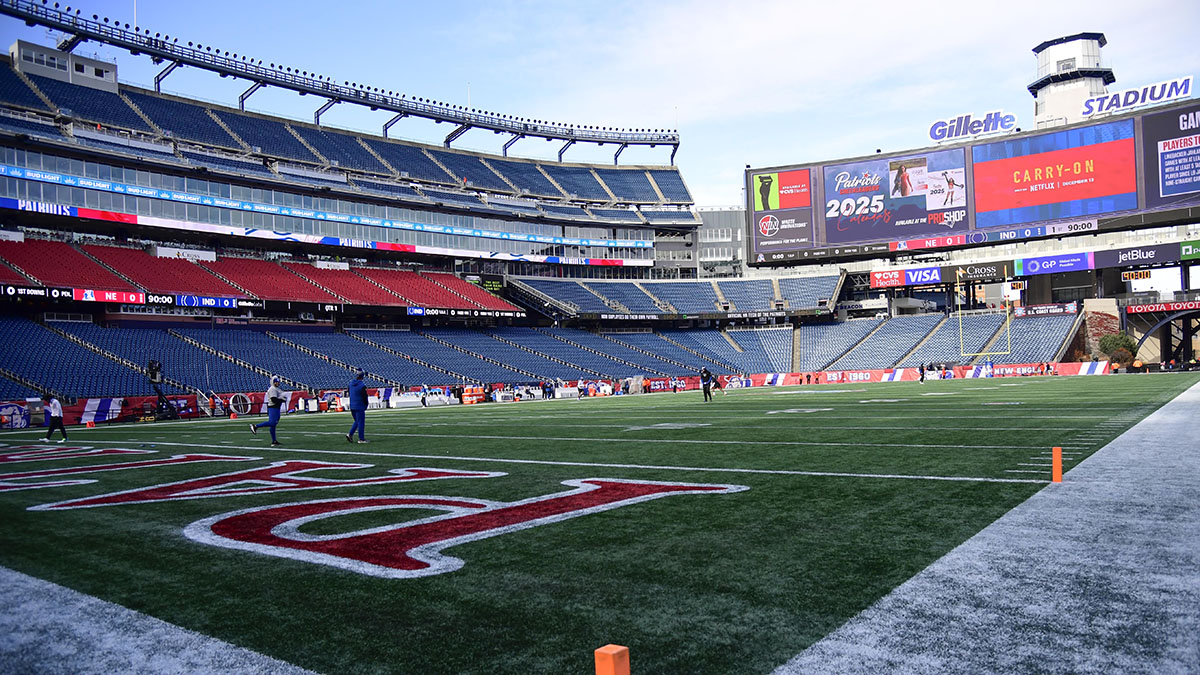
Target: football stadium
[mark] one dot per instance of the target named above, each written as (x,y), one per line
(920,410)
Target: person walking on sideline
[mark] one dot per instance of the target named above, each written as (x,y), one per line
(55,414)
(274,399)
(358,408)
(706,382)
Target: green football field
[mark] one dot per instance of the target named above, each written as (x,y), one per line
(720,537)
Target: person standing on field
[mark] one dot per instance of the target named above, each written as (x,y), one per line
(358,408)
(55,414)
(274,400)
(706,383)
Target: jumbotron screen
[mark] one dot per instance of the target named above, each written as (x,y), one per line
(1063,181)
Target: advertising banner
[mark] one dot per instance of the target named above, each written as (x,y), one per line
(1138,255)
(1045,310)
(1049,264)
(1066,174)
(978,272)
(1189,250)
(1171,152)
(896,197)
(783,215)
(1163,307)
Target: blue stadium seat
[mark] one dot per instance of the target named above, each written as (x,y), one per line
(626,293)
(14,91)
(229,164)
(431,351)
(749,295)
(362,355)
(948,345)
(685,296)
(409,160)
(483,344)
(274,356)
(1036,339)
(660,345)
(26,126)
(896,338)
(341,148)
(808,292)
(629,185)
(822,343)
(653,216)
(647,363)
(525,176)
(470,168)
(623,215)
(565,210)
(577,180)
(571,292)
(185,121)
(92,105)
(40,355)
(764,350)
(671,184)
(271,137)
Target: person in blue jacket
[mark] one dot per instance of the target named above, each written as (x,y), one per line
(358,408)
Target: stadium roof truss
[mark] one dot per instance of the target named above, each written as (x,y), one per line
(164,49)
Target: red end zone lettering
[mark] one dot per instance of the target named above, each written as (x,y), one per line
(414,549)
(278,477)
(6,484)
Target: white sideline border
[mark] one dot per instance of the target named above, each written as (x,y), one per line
(47,628)
(1098,574)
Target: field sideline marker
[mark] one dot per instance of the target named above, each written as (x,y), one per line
(612,660)
(1056,470)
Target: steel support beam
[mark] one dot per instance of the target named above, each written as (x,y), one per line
(458,131)
(674,149)
(509,144)
(163,75)
(70,43)
(388,124)
(564,148)
(246,94)
(620,149)
(320,111)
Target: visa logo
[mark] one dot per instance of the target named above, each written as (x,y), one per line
(928,275)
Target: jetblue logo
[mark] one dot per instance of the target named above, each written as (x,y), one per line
(1130,98)
(928,275)
(966,125)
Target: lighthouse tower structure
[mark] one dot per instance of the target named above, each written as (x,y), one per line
(1069,72)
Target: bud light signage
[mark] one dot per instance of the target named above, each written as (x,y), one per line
(896,198)
(1051,264)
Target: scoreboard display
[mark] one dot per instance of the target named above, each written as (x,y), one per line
(1070,180)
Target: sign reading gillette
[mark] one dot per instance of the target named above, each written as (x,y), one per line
(965,125)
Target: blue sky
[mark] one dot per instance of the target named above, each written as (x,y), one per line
(754,82)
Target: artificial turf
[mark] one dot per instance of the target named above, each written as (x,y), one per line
(845,501)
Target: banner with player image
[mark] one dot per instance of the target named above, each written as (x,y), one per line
(896,198)
(783,215)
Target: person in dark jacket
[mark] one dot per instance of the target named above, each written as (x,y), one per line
(706,383)
(358,408)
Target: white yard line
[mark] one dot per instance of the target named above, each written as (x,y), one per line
(614,465)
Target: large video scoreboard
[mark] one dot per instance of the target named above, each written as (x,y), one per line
(1130,171)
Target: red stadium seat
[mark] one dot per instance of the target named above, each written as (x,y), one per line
(269,280)
(162,275)
(56,263)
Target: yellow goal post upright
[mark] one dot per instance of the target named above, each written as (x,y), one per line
(961,296)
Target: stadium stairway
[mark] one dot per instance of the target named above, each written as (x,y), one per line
(665,306)
(852,347)
(723,302)
(615,305)
(646,352)
(477,355)
(698,354)
(221,123)
(228,357)
(778,298)
(350,369)
(548,357)
(922,341)
(128,101)
(314,282)
(116,357)
(409,357)
(618,359)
